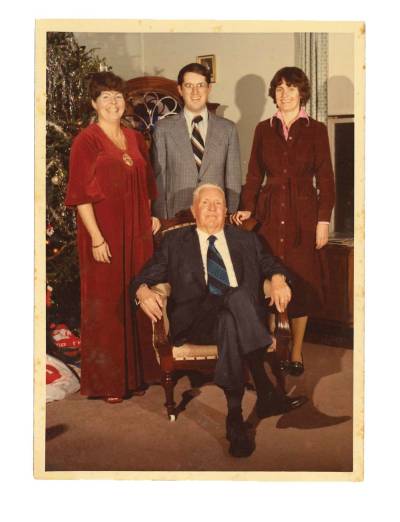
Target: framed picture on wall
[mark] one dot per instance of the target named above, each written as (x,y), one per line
(208,60)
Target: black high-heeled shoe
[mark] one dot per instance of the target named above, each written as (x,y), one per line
(296,368)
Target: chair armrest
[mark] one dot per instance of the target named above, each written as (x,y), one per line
(161,343)
(282,320)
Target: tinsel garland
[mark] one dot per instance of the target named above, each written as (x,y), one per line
(68,70)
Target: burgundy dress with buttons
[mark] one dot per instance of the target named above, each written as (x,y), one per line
(280,193)
(117,354)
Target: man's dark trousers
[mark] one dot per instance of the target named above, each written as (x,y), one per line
(235,323)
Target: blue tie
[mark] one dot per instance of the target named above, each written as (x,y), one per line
(218,282)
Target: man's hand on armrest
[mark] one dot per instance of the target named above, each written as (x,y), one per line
(280,292)
(150,302)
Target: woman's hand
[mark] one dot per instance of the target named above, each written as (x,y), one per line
(322,233)
(240,216)
(155,225)
(102,252)
(100,249)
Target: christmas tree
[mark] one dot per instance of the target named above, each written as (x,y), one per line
(67,110)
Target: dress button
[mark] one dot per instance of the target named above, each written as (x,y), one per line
(284,171)
(283,187)
(290,138)
(282,222)
(282,204)
(281,240)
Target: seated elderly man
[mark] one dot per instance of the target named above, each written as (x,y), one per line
(216,273)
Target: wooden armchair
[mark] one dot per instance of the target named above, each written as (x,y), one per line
(202,358)
(191,357)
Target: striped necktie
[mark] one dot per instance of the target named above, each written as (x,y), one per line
(197,141)
(218,282)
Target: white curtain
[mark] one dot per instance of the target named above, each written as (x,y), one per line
(311,55)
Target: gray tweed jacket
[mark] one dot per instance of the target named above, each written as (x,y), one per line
(175,168)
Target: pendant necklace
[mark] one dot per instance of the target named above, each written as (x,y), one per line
(120,143)
(127,159)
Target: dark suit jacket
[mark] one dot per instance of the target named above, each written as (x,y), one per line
(178,262)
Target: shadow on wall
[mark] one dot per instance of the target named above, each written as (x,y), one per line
(340,96)
(250,98)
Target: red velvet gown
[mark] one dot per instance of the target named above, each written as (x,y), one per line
(117,353)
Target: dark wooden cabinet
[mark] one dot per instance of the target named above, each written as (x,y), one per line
(339,283)
(334,324)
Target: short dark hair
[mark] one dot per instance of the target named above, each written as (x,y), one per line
(105,81)
(194,68)
(292,76)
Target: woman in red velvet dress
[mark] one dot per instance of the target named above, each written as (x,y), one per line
(111,184)
(289,151)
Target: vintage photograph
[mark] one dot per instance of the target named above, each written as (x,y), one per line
(198,311)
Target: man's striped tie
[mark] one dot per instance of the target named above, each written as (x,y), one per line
(218,282)
(197,141)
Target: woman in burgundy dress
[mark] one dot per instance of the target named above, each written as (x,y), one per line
(290,151)
(111,184)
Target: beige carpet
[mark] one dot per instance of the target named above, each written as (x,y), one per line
(91,435)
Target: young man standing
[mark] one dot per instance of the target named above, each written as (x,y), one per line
(193,147)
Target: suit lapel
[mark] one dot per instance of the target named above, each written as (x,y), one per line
(211,143)
(236,252)
(192,255)
(181,137)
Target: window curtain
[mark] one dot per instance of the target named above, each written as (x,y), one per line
(311,55)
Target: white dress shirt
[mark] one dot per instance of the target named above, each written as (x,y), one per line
(203,125)
(222,247)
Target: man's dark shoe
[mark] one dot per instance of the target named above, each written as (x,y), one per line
(241,444)
(284,366)
(275,404)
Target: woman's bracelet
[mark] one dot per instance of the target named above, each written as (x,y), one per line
(99,245)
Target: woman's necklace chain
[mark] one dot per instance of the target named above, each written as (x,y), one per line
(120,142)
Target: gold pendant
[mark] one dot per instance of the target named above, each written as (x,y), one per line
(127,159)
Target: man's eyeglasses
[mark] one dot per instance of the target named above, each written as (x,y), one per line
(190,86)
